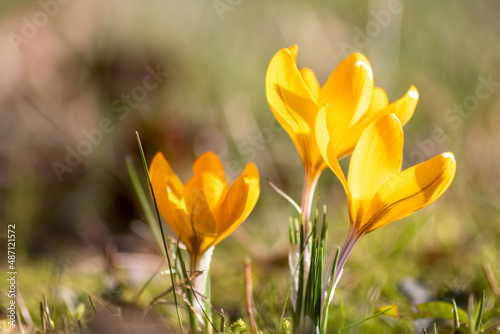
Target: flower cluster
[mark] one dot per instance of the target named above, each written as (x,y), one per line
(348,115)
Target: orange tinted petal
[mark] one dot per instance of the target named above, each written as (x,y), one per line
(167,188)
(239,202)
(209,178)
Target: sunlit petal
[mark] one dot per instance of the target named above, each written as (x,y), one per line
(195,222)
(405,106)
(167,188)
(209,178)
(329,155)
(411,190)
(294,49)
(347,95)
(311,82)
(293,105)
(379,100)
(239,202)
(376,158)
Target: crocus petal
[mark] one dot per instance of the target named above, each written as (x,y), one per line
(376,158)
(329,155)
(379,100)
(347,95)
(239,202)
(195,222)
(209,178)
(327,149)
(294,49)
(167,188)
(293,105)
(405,106)
(411,190)
(346,144)
(311,82)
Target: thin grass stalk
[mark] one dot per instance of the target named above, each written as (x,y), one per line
(300,287)
(318,286)
(188,293)
(289,291)
(456,320)
(324,317)
(146,208)
(249,297)
(479,314)
(146,169)
(366,319)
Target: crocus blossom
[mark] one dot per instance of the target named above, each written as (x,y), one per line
(377,191)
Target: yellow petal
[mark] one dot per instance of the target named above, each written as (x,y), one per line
(294,49)
(347,95)
(293,105)
(346,144)
(402,108)
(376,158)
(411,190)
(239,202)
(379,100)
(209,178)
(405,106)
(167,188)
(311,82)
(195,222)
(329,155)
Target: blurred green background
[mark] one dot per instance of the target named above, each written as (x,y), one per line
(71,69)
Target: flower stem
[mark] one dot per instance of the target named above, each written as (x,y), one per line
(345,252)
(310,179)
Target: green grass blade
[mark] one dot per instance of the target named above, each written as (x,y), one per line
(285,196)
(479,314)
(161,230)
(324,316)
(341,310)
(370,317)
(139,191)
(189,296)
(289,290)
(456,321)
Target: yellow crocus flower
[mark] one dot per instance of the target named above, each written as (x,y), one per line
(205,210)
(378,192)
(347,103)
